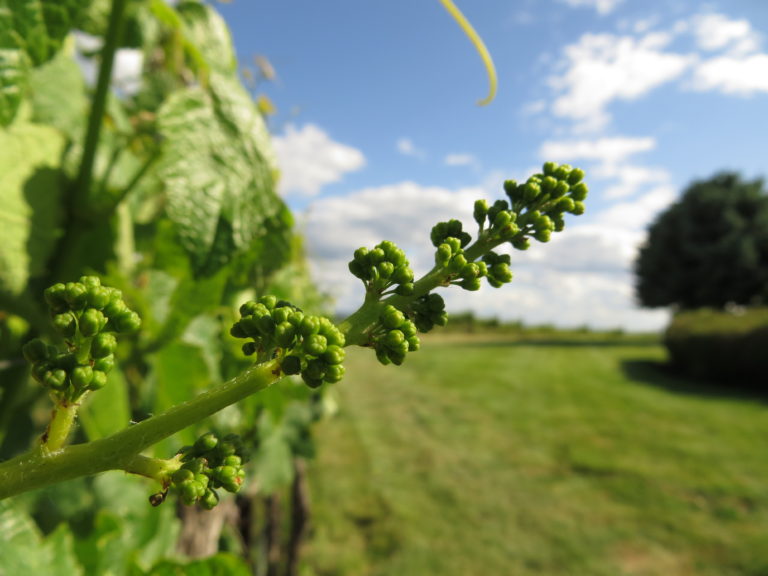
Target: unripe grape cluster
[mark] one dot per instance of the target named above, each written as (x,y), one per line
(394,336)
(383,268)
(86,314)
(543,200)
(209,464)
(428,312)
(311,346)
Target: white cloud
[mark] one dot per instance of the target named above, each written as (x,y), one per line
(309,159)
(736,75)
(460,160)
(601,68)
(605,150)
(718,32)
(406,147)
(602,6)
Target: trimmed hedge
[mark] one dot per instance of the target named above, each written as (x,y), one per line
(723,346)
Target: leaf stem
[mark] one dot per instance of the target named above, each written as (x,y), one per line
(95,121)
(56,434)
(38,468)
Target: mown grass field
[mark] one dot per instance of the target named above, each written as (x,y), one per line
(493,458)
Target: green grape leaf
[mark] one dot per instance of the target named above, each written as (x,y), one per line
(31,33)
(24,550)
(207,31)
(29,194)
(219,171)
(107,411)
(61,75)
(217,565)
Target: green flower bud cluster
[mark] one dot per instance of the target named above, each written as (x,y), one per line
(209,464)
(87,315)
(383,268)
(394,336)
(501,221)
(311,346)
(450,255)
(429,311)
(543,200)
(497,266)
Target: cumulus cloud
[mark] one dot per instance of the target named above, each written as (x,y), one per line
(460,160)
(736,75)
(602,6)
(309,159)
(718,32)
(605,150)
(601,68)
(406,147)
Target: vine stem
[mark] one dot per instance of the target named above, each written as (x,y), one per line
(56,434)
(121,451)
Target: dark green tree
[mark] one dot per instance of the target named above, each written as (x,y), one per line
(708,249)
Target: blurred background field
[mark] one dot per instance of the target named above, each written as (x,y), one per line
(557,456)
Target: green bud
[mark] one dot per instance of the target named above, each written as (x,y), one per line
(443,255)
(103,344)
(576,176)
(98,297)
(502,219)
(81,377)
(315,344)
(393,339)
(268,301)
(309,325)
(405,289)
(128,321)
(98,381)
(182,475)
(232,460)
(281,314)
(55,296)
(75,294)
(562,172)
(561,190)
(578,208)
(105,364)
(334,373)
(312,382)
(285,334)
(531,191)
(548,184)
(391,317)
(549,168)
(385,269)
(65,324)
(205,443)
(188,492)
(564,204)
(333,355)
(315,369)
(471,284)
(579,192)
(56,379)
(35,350)
(414,343)
(521,243)
(92,321)
(480,212)
(291,364)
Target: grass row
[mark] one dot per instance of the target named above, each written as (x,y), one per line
(539,458)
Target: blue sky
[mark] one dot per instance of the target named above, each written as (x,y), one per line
(379,135)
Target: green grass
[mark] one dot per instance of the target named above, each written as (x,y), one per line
(540,458)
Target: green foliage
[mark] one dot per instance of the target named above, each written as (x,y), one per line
(710,248)
(723,346)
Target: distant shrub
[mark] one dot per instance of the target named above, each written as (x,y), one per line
(726,346)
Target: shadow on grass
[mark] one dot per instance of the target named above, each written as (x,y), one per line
(661,375)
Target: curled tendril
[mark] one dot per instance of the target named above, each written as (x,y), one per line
(479,45)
